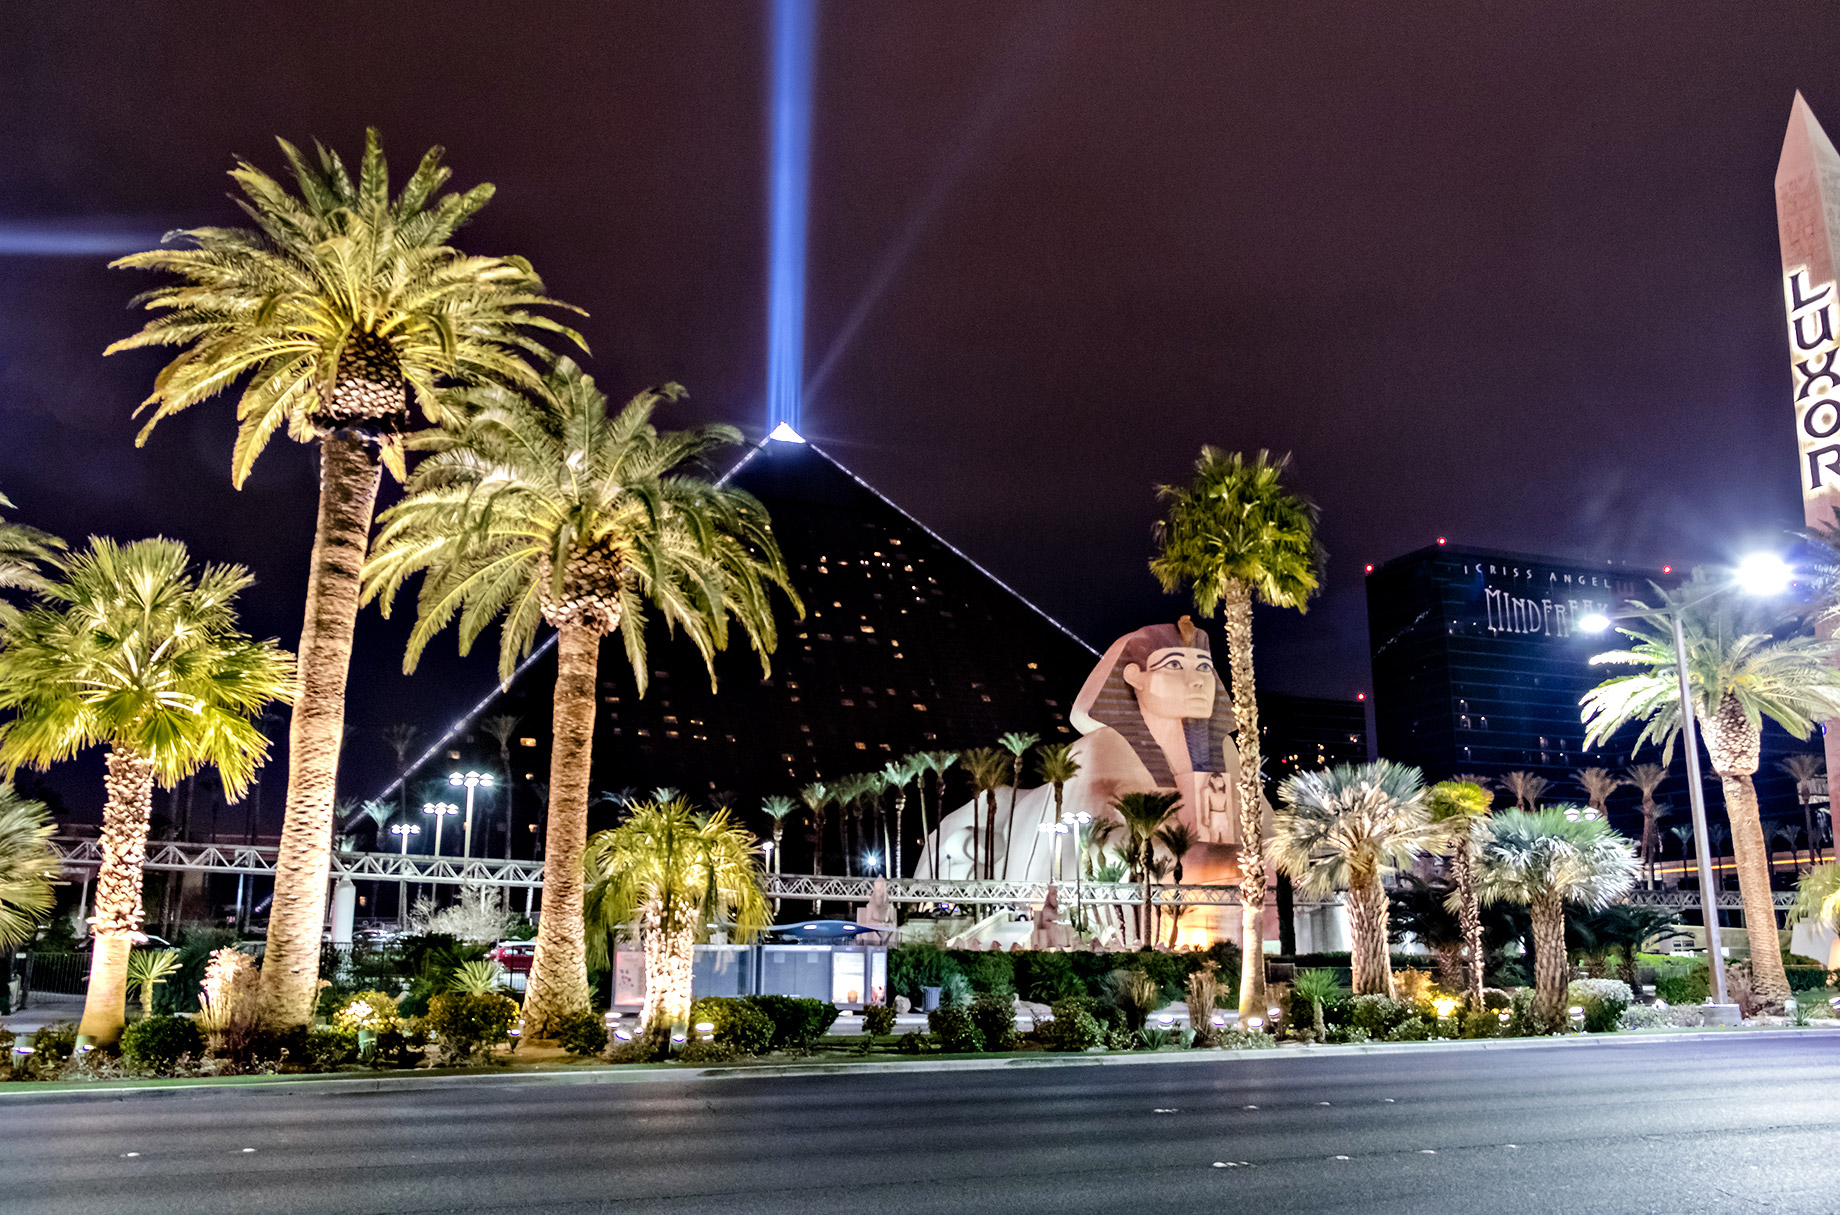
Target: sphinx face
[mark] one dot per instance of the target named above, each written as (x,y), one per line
(1179,682)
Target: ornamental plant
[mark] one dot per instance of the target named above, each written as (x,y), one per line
(367,1010)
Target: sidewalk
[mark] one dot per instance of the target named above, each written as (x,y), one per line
(40,1011)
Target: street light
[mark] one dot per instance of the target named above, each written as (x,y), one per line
(470,781)
(1759,574)
(405,830)
(441,811)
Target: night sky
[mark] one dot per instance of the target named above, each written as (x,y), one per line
(1504,273)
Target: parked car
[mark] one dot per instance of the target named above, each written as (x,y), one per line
(514,956)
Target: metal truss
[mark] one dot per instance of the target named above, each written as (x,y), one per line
(979,892)
(172,855)
(1729,900)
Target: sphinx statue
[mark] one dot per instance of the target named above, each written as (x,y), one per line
(1153,716)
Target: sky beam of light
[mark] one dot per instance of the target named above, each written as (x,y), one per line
(75,237)
(1019,65)
(794,36)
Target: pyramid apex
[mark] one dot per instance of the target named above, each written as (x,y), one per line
(1805,143)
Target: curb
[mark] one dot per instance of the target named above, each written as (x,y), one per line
(667,1074)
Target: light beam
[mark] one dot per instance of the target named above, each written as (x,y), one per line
(794,36)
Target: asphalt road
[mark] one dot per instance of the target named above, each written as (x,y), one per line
(1720,1123)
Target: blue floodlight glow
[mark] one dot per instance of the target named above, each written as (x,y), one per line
(794,35)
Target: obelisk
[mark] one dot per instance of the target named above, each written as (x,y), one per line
(1808,222)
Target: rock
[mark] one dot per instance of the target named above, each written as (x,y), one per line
(902,1006)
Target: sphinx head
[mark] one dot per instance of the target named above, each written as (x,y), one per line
(1161,672)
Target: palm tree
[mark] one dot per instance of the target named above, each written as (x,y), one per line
(503,727)
(1459,809)
(1017,744)
(131,652)
(1143,815)
(1235,533)
(1347,826)
(1055,765)
(897,774)
(987,767)
(1176,839)
(1737,674)
(1647,778)
(1544,860)
(1804,770)
(551,511)
(24,552)
(938,762)
(1598,784)
(338,306)
(778,807)
(847,793)
(673,872)
(28,866)
(1782,833)
(817,797)
(1525,788)
(1817,897)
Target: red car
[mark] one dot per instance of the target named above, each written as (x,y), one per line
(514,956)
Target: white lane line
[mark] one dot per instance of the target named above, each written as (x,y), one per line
(1338,1157)
(1427,1151)
(129,1155)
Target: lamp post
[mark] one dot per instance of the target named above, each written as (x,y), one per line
(772,867)
(404,830)
(441,811)
(469,781)
(1763,574)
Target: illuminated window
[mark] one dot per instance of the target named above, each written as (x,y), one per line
(919,708)
(862,746)
(527,742)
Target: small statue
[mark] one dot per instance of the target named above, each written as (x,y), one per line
(877,913)
(1049,932)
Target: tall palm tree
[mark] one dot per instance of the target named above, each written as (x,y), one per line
(1782,833)
(1142,816)
(1646,778)
(1055,765)
(817,797)
(1804,770)
(24,553)
(1459,811)
(1176,840)
(28,866)
(132,652)
(552,511)
(1525,788)
(987,767)
(846,794)
(673,872)
(1346,827)
(1235,533)
(1017,744)
(1544,860)
(400,738)
(1737,675)
(1598,784)
(938,762)
(898,774)
(335,310)
(503,727)
(778,807)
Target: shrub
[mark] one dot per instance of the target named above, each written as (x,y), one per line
(1243,1039)
(327,1048)
(1203,990)
(1347,1035)
(1138,996)
(1686,985)
(156,1044)
(1379,1015)
(737,1023)
(1118,1037)
(911,967)
(797,1021)
(1050,977)
(1156,1039)
(995,1017)
(878,1020)
(372,1010)
(1073,1028)
(582,1034)
(956,990)
(402,1047)
(1413,1029)
(1603,1001)
(1496,1000)
(1478,1023)
(988,970)
(699,1050)
(916,1044)
(468,1026)
(955,1030)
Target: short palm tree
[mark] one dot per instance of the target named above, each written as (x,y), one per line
(1543,861)
(673,873)
(147,969)
(938,763)
(1017,744)
(1176,840)
(987,767)
(335,311)
(1345,827)
(1738,673)
(28,867)
(1459,810)
(1817,897)
(1525,788)
(1805,769)
(1234,533)
(1598,784)
(1646,778)
(550,510)
(897,775)
(1142,816)
(132,652)
(1318,987)
(1055,765)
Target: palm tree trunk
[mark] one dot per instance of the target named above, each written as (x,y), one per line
(990,832)
(125,814)
(1551,970)
(347,498)
(670,955)
(558,985)
(1750,856)
(1373,967)
(1236,602)
(1009,827)
(1469,919)
(900,813)
(1649,838)
(1814,842)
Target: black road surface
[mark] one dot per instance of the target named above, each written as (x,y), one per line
(1710,1123)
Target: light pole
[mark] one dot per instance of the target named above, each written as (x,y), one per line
(404,830)
(441,812)
(1763,574)
(772,867)
(469,781)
